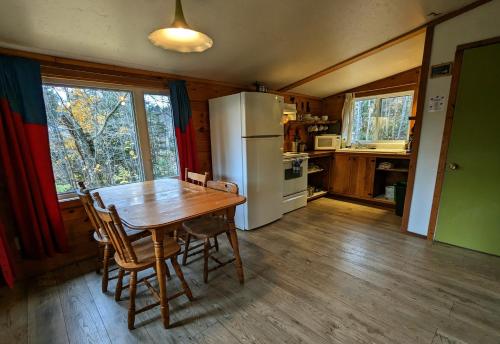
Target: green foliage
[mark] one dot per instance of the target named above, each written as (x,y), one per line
(162,142)
(381,119)
(93,136)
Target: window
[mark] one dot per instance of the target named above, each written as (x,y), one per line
(382,118)
(161,140)
(96,135)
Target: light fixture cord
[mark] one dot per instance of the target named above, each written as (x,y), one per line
(179,20)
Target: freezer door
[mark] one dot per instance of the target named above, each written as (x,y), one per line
(261,114)
(263,180)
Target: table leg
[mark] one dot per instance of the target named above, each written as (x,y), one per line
(158,236)
(234,243)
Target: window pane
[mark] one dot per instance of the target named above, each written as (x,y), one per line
(92,137)
(363,120)
(394,113)
(381,119)
(161,135)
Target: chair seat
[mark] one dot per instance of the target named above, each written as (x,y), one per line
(145,253)
(205,226)
(133,234)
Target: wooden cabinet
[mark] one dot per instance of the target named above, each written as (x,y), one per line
(340,174)
(363,176)
(353,175)
(356,175)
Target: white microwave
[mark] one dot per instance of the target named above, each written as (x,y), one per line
(327,142)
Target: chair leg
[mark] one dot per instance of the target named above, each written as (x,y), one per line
(119,285)
(179,274)
(216,242)
(131,307)
(105,267)
(186,249)
(98,262)
(206,248)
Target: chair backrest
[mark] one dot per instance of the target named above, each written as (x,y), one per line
(195,178)
(115,231)
(223,186)
(88,205)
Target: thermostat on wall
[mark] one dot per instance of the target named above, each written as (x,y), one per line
(436,103)
(442,69)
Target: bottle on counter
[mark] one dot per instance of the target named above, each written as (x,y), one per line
(295,143)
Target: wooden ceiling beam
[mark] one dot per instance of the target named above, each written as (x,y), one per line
(396,40)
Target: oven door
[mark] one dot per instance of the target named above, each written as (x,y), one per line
(294,181)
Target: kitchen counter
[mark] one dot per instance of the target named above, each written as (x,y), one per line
(371,152)
(374,152)
(320,153)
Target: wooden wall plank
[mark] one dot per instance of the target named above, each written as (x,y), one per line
(200,91)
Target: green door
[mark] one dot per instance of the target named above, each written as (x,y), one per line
(469,212)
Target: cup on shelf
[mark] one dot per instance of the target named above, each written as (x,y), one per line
(324,118)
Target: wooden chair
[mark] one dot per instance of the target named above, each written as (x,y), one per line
(195,178)
(198,179)
(100,236)
(137,256)
(206,227)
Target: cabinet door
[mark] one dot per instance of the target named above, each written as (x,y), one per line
(363,175)
(340,174)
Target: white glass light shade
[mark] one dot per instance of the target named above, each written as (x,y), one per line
(179,36)
(184,40)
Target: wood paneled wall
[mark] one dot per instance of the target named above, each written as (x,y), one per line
(199,94)
(200,91)
(404,81)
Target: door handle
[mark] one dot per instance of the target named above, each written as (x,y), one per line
(452,166)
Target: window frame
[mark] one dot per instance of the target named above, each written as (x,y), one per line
(141,122)
(379,98)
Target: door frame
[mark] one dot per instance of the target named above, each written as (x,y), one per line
(445,142)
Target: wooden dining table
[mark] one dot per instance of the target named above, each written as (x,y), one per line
(160,206)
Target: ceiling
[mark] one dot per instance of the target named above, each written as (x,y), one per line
(395,59)
(276,42)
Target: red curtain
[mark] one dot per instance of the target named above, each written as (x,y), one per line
(25,158)
(184,133)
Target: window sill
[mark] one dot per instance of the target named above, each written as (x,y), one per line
(69,201)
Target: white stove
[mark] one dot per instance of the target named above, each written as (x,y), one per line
(294,181)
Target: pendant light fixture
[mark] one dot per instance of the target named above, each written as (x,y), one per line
(179,36)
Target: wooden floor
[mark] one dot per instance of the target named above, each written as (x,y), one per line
(332,272)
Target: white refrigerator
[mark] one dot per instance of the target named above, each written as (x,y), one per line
(247,144)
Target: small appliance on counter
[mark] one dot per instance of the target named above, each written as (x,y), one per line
(327,142)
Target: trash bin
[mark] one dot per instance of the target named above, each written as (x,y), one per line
(400,192)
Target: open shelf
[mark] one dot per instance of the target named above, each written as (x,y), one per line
(382,199)
(315,171)
(404,170)
(311,122)
(317,194)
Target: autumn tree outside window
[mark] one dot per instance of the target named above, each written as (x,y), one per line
(382,118)
(109,136)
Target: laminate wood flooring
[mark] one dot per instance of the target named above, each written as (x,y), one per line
(333,272)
